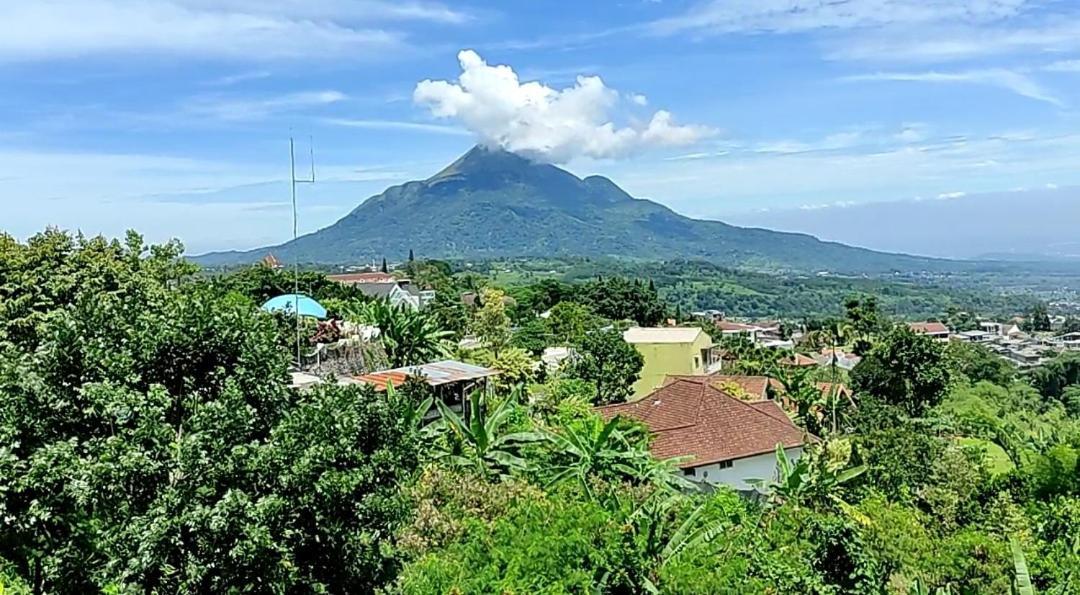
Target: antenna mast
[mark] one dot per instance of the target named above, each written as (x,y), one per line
(296,257)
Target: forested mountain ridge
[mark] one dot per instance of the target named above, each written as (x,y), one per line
(492,204)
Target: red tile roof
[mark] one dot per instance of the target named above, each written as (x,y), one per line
(929,328)
(799,360)
(729,326)
(689,417)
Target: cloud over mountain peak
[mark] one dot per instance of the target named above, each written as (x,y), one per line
(545,123)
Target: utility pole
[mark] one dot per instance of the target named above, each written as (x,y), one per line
(295,229)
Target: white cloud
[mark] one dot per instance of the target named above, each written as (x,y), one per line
(542,122)
(873,170)
(1015,82)
(397,125)
(248,30)
(951,195)
(1063,66)
(794,16)
(255,109)
(912,133)
(639,99)
(951,41)
(832,142)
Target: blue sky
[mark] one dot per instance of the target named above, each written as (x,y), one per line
(172,116)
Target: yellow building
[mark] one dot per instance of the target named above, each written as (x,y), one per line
(669,350)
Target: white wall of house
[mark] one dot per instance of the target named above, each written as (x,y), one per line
(761,466)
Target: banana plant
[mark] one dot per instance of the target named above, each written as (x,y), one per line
(481,444)
(1022,581)
(665,540)
(812,480)
(606,450)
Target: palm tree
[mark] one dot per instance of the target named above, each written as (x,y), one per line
(481,444)
(804,393)
(835,334)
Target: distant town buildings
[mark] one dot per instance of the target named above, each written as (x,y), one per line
(399,292)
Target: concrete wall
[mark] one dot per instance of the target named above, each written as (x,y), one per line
(662,359)
(761,466)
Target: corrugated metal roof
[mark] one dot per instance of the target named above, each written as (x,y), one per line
(436,374)
(665,334)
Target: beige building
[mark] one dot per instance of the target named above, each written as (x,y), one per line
(670,351)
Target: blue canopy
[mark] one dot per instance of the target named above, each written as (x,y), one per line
(289,301)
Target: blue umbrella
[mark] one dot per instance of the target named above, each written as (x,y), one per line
(288,303)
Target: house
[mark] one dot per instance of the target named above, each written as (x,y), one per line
(973,337)
(937,330)
(452,381)
(730,328)
(843,360)
(718,438)
(1069,341)
(670,350)
(400,292)
(1000,329)
(553,357)
(392,292)
(800,360)
(358,278)
(270,261)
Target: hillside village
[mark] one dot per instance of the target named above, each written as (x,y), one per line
(713,392)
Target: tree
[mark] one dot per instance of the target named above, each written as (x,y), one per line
(411,257)
(533,336)
(1038,319)
(865,322)
(978,363)
(569,321)
(905,370)
(491,323)
(1053,377)
(617,298)
(515,366)
(449,313)
(384,268)
(610,363)
(815,478)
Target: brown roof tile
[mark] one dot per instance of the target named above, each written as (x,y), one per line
(691,417)
(929,328)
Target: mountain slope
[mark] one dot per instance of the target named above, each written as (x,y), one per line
(491,204)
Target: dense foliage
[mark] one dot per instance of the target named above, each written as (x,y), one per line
(149,443)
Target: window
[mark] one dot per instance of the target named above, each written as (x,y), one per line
(688,472)
(725,464)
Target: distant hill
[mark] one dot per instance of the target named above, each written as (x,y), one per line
(494,204)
